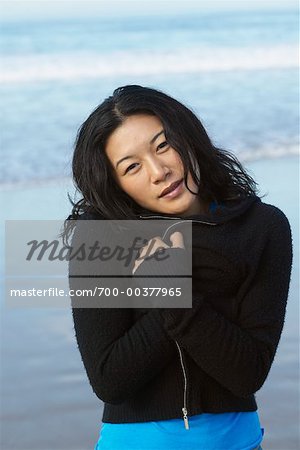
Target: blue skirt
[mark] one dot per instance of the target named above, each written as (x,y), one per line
(230,431)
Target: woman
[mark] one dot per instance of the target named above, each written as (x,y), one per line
(179,378)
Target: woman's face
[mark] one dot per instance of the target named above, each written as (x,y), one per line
(145,165)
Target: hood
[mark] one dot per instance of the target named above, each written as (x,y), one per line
(219,212)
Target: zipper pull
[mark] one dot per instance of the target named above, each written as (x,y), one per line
(185,419)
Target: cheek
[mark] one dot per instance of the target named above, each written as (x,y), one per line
(177,159)
(133,187)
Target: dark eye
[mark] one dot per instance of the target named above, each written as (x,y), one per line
(162,145)
(130,167)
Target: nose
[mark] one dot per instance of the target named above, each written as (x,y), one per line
(159,171)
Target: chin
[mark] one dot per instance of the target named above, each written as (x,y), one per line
(182,208)
(177,211)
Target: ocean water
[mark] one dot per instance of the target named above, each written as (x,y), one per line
(236,70)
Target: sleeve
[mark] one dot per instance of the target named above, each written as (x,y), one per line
(239,355)
(119,355)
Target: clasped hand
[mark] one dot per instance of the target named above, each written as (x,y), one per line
(156,244)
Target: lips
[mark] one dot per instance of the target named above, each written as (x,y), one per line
(171,188)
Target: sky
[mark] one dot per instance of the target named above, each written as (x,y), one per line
(16,10)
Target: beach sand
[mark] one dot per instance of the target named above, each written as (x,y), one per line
(46,401)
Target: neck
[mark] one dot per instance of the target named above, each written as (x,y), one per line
(198,207)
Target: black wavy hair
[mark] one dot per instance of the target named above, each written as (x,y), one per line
(217,172)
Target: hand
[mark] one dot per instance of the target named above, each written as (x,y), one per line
(155,244)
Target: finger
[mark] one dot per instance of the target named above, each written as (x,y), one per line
(136,265)
(154,245)
(177,239)
(139,260)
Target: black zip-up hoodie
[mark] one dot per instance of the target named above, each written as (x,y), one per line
(164,363)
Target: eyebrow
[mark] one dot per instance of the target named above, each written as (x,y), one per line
(131,156)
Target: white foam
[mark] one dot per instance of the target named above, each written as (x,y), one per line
(266,152)
(76,66)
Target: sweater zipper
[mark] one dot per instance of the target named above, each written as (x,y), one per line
(174,224)
(179,218)
(184,409)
